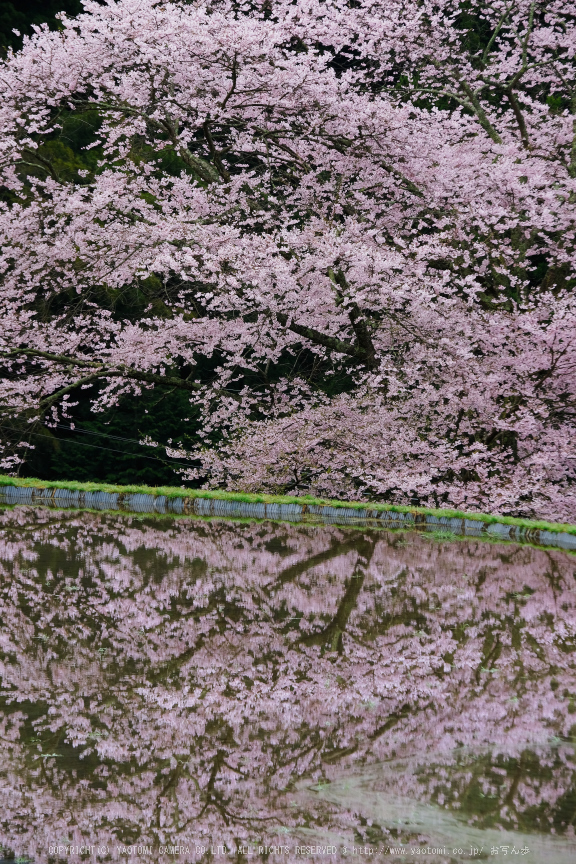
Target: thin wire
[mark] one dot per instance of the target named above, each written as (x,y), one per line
(109,449)
(103,434)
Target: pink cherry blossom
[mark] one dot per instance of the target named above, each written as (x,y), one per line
(366,269)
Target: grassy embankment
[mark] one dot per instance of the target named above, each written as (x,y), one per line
(260,498)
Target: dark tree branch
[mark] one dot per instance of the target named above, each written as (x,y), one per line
(357,319)
(214,153)
(232,89)
(331,342)
(519,117)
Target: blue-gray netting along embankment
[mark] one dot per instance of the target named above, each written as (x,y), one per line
(139,502)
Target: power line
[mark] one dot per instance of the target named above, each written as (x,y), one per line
(110,449)
(103,434)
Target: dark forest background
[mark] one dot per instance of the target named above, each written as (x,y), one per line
(23,14)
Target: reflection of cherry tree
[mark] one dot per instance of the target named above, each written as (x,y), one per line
(171,679)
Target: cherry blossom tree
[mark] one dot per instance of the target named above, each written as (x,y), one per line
(190,679)
(351,232)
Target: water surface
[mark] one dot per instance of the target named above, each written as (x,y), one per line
(208,690)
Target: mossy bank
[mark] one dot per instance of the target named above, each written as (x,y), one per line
(178,500)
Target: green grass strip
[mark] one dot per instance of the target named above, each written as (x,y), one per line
(261,498)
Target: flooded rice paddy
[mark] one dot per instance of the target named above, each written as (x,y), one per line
(193,690)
